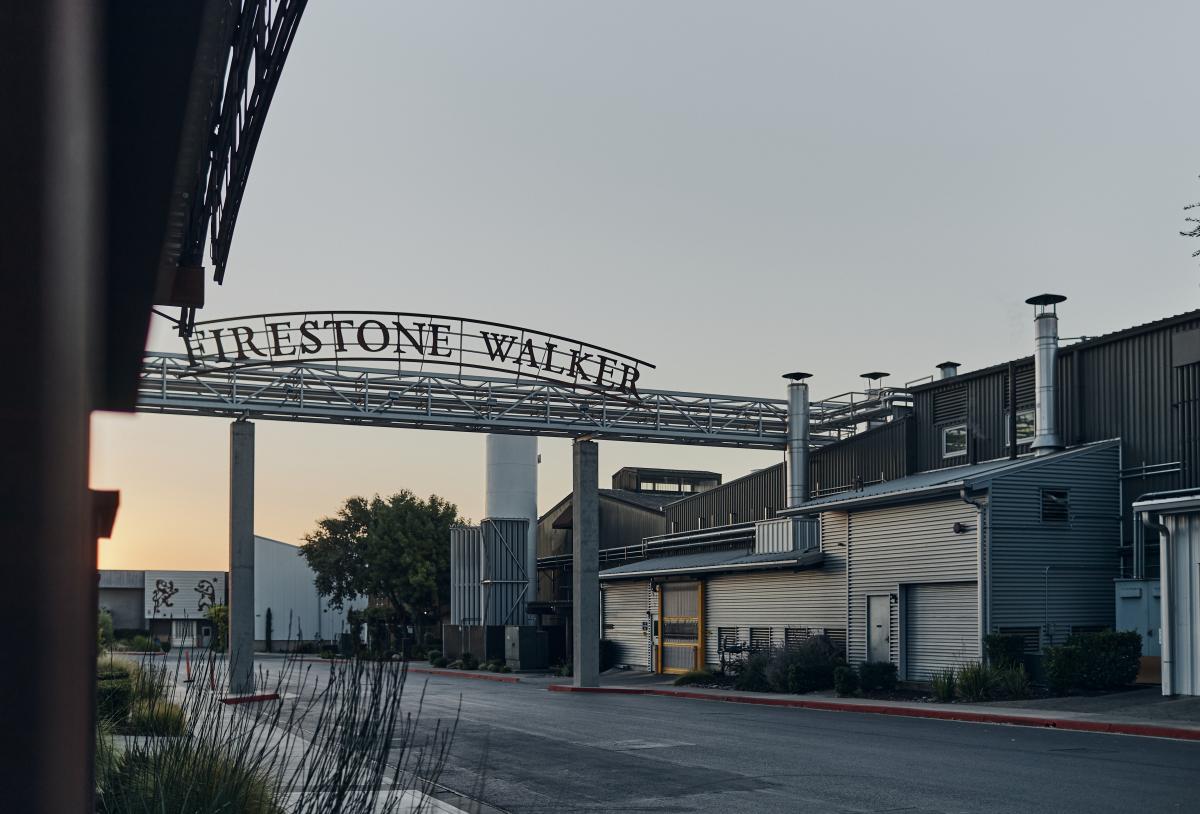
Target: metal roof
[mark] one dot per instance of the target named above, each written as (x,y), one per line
(705,561)
(935,482)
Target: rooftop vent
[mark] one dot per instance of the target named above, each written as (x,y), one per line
(948,370)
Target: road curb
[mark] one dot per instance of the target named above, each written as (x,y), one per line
(1043,722)
(433,671)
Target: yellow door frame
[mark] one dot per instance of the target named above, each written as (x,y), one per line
(697,645)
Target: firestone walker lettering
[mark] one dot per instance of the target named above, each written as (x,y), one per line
(412,341)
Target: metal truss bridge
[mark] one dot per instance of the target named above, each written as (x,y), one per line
(323,393)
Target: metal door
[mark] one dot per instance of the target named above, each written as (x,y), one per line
(879,628)
(680,642)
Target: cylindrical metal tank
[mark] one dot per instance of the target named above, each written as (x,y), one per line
(510,490)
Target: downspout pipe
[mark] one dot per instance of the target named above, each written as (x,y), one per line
(1153,522)
(981,573)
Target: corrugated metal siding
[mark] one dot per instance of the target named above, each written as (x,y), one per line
(940,630)
(505,581)
(757,496)
(772,536)
(891,547)
(1082,554)
(466,570)
(880,454)
(1122,387)
(625,605)
(776,600)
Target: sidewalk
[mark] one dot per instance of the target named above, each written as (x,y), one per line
(1142,711)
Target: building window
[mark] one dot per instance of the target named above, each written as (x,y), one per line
(1026,427)
(1056,506)
(954,441)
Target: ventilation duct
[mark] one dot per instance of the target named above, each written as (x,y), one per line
(797,439)
(948,370)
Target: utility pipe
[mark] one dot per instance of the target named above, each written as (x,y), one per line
(1150,521)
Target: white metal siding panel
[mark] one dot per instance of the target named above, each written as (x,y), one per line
(1081,554)
(814,598)
(182,594)
(771,536)
(284,583)
(940,629)
(1181,587)
(899,545)
(625,604)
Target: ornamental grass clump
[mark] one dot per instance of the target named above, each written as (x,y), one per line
(945,685)
(323,745)
(1013,683)
(976,682)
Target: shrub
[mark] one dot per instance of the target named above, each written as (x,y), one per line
(1003,650)
(694,677)
(114,696)
(468,662)
(845,680)
(504,668)
(158,718)
(193,777)
(805,668)
(1013,683)
(877,676)
(976,681)
(143,644)
(945,684)
(108,668)
(440,661)
(1062,667)
(219,616)
(565,670)
(104,629)
(1108,659)
(752,673)
(434,655)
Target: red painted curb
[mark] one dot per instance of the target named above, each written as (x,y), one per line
(503,679)
(1068,724)
(251,699)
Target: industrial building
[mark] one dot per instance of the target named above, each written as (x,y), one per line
(921,525)
(171,606)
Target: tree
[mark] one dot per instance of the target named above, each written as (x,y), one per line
(219,616)
(396,549)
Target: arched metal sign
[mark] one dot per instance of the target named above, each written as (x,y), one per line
(409,343)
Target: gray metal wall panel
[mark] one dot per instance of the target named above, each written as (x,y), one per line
(1181,588)
(811,599)
(940,631)
(504,578)
(892,547)
(757,496)
(624,608)
(879,454)
(1082,554)
(466,558)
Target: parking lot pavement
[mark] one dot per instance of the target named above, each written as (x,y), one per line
(523,749)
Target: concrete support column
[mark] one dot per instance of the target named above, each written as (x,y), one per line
(241,557)
(585,561)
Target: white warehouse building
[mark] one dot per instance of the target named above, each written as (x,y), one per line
(171,605)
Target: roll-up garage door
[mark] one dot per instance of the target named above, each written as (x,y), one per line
(625,620)
(941,629)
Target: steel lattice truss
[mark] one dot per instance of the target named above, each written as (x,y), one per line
(338,394)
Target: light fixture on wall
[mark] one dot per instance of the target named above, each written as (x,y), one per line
(960,528)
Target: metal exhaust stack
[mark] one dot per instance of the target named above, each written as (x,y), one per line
(797,439)
(948,370)
(1045,321)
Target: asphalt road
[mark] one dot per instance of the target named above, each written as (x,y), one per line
(523,749)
